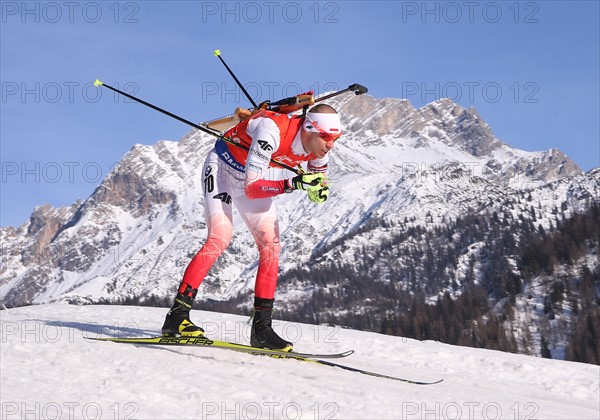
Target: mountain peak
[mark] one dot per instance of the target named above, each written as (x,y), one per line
(444,104)
(451,133)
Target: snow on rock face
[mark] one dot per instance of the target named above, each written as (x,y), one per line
(134,236)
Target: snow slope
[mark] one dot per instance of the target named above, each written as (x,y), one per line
(50,371)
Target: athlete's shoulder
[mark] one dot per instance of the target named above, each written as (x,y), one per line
(276,117)
(262,123)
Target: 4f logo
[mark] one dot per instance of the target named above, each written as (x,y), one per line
(265,145)
(224,197)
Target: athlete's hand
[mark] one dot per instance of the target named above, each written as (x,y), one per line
(319,195)
(307,181)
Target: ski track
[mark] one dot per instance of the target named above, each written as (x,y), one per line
(50,371)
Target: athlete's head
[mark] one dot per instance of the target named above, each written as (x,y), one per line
(321,128)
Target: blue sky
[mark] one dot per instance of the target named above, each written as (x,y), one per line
(530,68)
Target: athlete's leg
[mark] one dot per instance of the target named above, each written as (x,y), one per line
(219,221)
(260,216)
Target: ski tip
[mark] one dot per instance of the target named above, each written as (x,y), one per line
(98,83)
(427,383)
(217,53)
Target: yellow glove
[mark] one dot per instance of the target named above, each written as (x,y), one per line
(307,182)
(320,195)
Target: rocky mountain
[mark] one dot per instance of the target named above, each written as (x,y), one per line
(397,170)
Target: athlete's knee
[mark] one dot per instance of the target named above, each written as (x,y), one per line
(220,230)
(269,251)
(215,245)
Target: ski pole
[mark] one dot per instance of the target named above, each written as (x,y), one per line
(218,54)
(98,83)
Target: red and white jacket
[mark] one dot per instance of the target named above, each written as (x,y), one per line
(268,135)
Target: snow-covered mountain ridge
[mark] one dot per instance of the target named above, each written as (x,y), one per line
(133,237)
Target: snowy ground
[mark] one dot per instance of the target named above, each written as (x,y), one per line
(48,370)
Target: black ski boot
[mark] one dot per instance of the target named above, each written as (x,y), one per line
(178,323)
(262,334)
